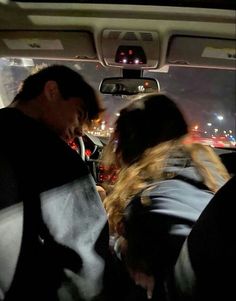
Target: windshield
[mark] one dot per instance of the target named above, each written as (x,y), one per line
(206,96)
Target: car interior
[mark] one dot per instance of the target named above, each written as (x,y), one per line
(185,48)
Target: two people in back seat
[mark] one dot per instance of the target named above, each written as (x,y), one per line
(163,186)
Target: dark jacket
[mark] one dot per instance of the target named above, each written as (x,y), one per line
(58,241)
(158,220)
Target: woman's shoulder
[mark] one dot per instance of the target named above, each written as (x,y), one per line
(170,198)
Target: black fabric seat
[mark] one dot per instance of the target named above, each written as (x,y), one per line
(229,160)
(206,267)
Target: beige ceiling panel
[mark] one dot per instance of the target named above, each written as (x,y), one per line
(48,44)
(202,51)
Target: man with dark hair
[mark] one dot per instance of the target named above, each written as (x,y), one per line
(53,228)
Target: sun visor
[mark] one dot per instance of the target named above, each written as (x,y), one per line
(201,51)
(47,44)
(130,49)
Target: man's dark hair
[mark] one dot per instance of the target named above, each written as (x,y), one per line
(70,84)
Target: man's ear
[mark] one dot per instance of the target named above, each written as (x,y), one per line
(51,90)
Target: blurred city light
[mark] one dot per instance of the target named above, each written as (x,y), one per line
(220,117)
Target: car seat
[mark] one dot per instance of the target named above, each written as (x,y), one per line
(205,269)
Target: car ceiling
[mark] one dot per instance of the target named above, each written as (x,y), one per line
(80,28)
(224,4)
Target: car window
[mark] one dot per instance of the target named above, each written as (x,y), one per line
(207,96)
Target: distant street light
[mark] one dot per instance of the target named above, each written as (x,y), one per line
(220,117)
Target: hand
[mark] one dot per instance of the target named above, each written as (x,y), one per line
(101,191)
(145,281)
(120,247)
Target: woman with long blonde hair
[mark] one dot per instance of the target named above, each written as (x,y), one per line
(162,187)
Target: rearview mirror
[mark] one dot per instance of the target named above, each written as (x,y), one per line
(129,86)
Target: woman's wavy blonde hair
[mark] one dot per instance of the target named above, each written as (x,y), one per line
(147,165)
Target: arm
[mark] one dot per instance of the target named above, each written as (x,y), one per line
(140,278)
(145,249)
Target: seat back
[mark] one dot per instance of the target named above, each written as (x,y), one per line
(208,257)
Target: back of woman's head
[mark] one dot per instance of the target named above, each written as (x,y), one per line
(145,123)
(150,133)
